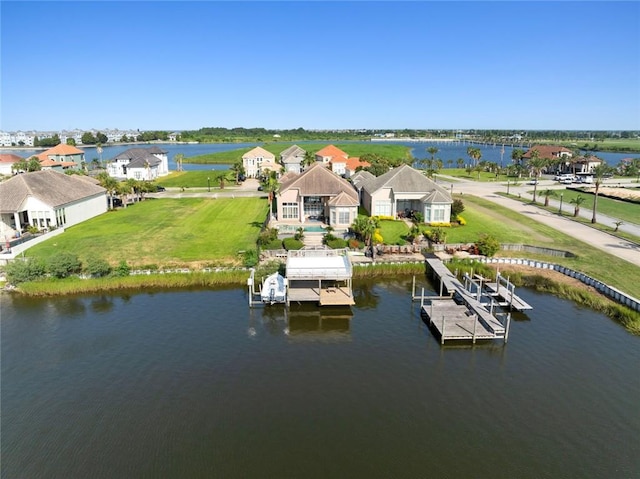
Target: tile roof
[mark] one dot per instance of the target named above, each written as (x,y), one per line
(10,158)
(405,179)
(259,151)
(332,151)
(361,177)
(138,157)
(319,181)
(353,163)
(51,187)
(547,151)
(344,199)
(62,149)
(291,152)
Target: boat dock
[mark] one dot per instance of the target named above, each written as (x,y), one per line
(468,311)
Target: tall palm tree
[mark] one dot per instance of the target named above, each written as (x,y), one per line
(599,173)
(536,165)
(475,154)
(179,158)
(547,193)
(309,158)
(516,155)
(270,185)
(460,163)
(365,227)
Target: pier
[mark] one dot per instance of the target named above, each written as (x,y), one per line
(468,311)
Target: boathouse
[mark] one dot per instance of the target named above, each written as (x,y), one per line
(319,275)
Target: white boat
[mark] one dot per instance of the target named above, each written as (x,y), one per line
(274,289)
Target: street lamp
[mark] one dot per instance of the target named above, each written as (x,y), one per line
(560,210)
(508,183)
(209,184)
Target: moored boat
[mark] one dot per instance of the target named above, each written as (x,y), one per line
(274,289)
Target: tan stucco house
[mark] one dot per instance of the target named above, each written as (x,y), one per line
(403,190)
(258,162)
(317,194)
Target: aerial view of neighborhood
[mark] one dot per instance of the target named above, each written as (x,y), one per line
(426,263)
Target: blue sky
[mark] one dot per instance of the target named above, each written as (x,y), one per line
(320,65)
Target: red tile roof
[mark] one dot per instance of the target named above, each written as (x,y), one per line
(10,158)
(353,163)
(547,151)
(332,151)
(62,149)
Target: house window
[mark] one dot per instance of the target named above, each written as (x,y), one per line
(138,175)
(290,211)
(382,208)
(435,213)
(343,217)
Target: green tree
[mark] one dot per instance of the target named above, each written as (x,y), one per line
(88,138)
(599,173)
(179,159)
(364,227)
(475,154)
(309,158)
(536,165)
(547,193)
(64,264)
(33,164)
(238,170)
(19,271)
(460,163)
(516,155)
(577,201)
(71,142)
(102,138)
(487,245)
(109,184)
(97,267)
(270,185)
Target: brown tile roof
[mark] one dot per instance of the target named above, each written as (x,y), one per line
(405,179)
(332,151)
(51,187)
(547,151)
(344,199)
(319,181)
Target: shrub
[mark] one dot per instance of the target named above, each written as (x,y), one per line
(487,245)
(122,269)
(336,243)
(383,217)
(22,271)
(97,267)
(292,243)
(440,224)
(299,234)
(250,258)
(377,237)
(273,244)
(413,233)
(355,244)
(32,229)
(436,235)
(328,237)
(267,236)
(462,221)
(64,264)
(417,217)
(457,207)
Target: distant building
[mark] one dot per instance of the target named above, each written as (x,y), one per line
(62,157)
(258,162)
(139,164)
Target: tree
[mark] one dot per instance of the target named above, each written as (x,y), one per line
(578,200)
(33,164)
(309,158)
(460,163)
(487,245)
(108,184)
(88,138)
(365,227)
(102,138)
(516,155)
(547,193)
(238,170)
(20,165)
(536,165)
(475,154)
(270,185)
(179,158)
(431,162)
(71,142)
(599,174)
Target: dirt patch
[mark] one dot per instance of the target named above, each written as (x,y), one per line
(622,193)
(545,273)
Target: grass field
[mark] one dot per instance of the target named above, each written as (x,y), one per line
(166,232)
(194,179)
(353,149)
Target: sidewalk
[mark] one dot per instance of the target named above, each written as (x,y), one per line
(615,246)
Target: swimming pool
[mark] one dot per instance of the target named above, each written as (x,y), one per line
(294,228)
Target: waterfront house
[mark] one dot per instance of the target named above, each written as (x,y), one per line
(62,157)
(259,162)
(559,157)
(317,194)
(139,164)
(292,159)
(352,165)
(403,191)
(330,153)
(47,199)
(7,161)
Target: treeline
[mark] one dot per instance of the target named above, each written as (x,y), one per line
(239,135)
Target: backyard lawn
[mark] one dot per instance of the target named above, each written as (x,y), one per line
(166,232)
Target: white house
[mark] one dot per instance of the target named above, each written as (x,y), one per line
(6,163)
(139,164)
(258,162)
(292,159)
(46,199)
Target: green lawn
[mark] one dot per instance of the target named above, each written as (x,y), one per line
(627,212)
(166,232)
(353,149)
(194,179)
(393,231)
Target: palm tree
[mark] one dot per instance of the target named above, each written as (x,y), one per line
(309,158)
(536,164)
(108,184)
(578,200)
(599,172)
(516,155)
(547,193)
(238,170)
(474,153)
(270,185)
(179,158)
(365,227)
(432,150)
(460,163)
(449,163)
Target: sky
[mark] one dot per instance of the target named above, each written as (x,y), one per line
(161,65)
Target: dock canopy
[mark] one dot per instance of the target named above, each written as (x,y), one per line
(323,264)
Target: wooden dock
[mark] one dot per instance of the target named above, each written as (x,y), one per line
(324,296)
(449,284)
(503,291)
(457,321)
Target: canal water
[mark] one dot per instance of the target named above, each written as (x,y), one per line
(195,384)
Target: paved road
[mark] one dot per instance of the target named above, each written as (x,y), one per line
(622,249)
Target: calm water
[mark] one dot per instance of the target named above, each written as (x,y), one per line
(448,151)
(194,384)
